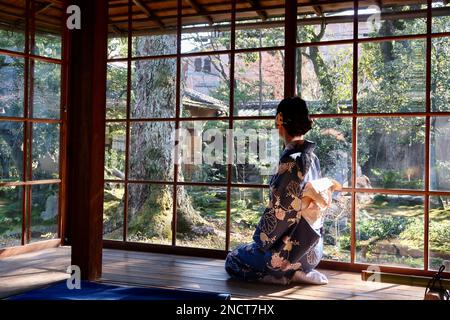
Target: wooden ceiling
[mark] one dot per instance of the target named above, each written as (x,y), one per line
(47,15)
(160,16)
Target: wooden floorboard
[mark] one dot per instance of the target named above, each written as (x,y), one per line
(34,270)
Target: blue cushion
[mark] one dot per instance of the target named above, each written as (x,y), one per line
(98,291)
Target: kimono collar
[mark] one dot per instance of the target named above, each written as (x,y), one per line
(303,152)
(306,147)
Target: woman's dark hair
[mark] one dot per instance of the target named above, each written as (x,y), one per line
(296,119)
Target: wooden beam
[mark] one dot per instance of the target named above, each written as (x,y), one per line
(199,9)
(407,280)
(33,247)
(290,52)
(86,137)
(143,6)
(116,29)
(257,7)
(42,8)
(318,10)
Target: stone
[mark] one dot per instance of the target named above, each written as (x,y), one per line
(51,208)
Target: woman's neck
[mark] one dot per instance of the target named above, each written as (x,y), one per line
(294,142)
(289,140)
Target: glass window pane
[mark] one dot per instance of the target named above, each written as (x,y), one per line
(325,78)
(44,212)
(391,153)
(116,90)
(441,16)
(10,216)
(151,151)
(391,20)
(334,148)
(439,234)
(150,212)
(45,148)
(117,46)
(11,86)
(337,24)
(205,31)
(46,22)
(113,209)
(201,217)
(440,154)
(12,34)
(257,150)
(390,230)
(11,155)
(205,86)
(392,76)
(259,83)
(157,35)
(155,44)
(153,91)
(247,207)
(118,31)
(259,33)
(115,147)
(440,74)
(47,44)
(203,151)
(46,90)
(337,228)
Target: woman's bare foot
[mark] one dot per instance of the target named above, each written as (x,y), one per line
(312,277)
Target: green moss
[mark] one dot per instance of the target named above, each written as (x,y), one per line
(154,218)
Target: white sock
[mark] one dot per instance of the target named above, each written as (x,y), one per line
(312,277)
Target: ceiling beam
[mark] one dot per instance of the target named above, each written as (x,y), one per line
(116,29)
(318,10)
(257,7)
(42,8)
(200,10)
(143,6)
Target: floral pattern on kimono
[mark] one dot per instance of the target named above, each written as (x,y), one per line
(283,241)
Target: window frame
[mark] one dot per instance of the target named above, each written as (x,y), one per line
(28,120)
(290,48)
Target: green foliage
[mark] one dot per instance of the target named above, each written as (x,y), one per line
(438,237)
(13,40)
(381,228)
(116,91)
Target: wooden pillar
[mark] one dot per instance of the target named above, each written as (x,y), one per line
(86,138)
(290,42)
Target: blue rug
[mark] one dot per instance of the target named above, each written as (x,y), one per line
(98,291)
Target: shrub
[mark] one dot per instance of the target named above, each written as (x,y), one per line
(439,234)
(382,228)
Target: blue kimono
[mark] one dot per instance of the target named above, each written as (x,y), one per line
(283,242)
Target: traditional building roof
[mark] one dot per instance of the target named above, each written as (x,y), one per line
(195,99)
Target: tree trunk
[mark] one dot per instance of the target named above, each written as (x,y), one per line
(15,149)
(154,93)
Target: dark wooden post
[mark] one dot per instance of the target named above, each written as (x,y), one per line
(86,116)
(290,42)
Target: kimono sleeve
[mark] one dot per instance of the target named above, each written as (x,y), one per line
(284,205)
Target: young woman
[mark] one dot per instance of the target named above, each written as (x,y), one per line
(286,247)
